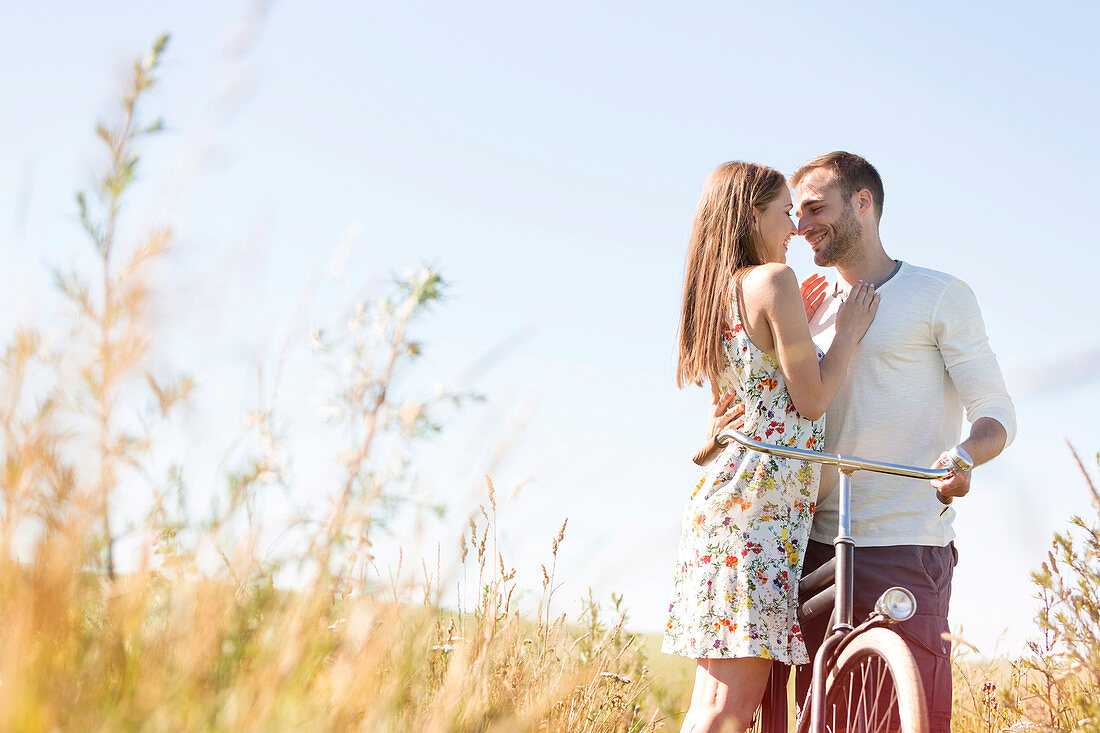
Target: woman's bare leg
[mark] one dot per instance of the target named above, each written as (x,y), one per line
(726,693)
(697,695)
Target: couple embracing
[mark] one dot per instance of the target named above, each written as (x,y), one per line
(880,364)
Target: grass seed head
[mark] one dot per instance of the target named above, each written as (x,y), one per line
(560,537)
(492,492)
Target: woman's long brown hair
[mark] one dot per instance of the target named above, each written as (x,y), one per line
(721,247)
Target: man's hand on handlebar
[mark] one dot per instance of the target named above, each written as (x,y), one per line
(957,484)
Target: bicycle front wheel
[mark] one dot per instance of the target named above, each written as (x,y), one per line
(875,687)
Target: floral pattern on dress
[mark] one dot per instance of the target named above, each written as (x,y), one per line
(745,528)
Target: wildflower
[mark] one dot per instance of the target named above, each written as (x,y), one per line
(616,677)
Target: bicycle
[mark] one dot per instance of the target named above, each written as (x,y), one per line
(856,666)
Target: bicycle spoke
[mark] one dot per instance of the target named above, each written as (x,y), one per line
(878,694)
(882,722)
(875,669)
(862,703)
(867,701)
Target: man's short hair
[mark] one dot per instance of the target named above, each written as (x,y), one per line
(851,173)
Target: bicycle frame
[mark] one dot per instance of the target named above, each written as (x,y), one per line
(845,550)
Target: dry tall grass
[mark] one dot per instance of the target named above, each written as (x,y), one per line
(1055,685)
(165,640)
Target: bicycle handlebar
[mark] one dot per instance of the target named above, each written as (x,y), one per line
(852,463)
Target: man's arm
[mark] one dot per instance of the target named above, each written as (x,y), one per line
(727,414)
(986,441)
(968,358)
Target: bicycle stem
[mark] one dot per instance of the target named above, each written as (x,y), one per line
(845,549)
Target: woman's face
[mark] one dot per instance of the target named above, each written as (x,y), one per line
(774,226)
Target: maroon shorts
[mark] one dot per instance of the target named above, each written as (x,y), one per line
(926,572)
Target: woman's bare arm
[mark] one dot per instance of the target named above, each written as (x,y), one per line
(772,291)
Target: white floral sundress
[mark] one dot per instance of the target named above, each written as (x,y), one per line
(745,528)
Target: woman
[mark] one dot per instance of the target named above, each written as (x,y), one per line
(743,329)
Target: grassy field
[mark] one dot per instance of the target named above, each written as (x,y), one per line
(179,641)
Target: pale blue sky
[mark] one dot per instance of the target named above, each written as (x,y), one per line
(548,160)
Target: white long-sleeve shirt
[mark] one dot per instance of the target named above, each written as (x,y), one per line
(924,359)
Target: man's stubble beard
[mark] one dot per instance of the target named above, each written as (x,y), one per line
(843,247)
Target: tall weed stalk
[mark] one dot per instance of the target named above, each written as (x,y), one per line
(1061,690)
(1055,684)
(99,634)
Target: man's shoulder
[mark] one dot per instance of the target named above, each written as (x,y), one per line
(926,277)
(937,294)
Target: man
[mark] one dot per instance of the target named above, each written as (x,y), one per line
(924,359)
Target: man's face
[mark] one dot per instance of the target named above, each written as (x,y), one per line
(827,220)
